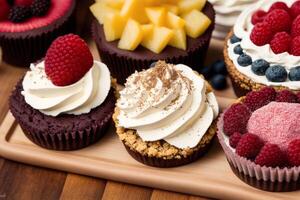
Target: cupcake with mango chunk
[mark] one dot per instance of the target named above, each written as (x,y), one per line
(132,34)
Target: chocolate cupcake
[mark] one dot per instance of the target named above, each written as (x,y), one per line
(65,102)
(27,30)
(180,34)
(261,139)
(262,50)
(165,115)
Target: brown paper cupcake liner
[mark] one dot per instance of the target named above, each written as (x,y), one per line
(265,178)
(23,48)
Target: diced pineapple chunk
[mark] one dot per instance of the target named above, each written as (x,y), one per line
(132,36)
(113,26)
(188,5)
(196,23)
(157,15)
(158,40)
(179,39)
(173,21)
(147,29)
(171,8)
(115,3)
(100,9)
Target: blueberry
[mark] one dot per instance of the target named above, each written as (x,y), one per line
(295,74)
(234,39)
(276,73)
(238,50)
(219,67)
(260,66)
(218,82)
(207,72)
(244,60)
(153,64)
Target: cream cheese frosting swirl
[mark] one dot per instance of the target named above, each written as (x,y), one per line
(79,98)
(168,103)
(227,12)
(242,30)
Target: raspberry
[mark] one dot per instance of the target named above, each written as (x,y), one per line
(295,9)
(4,9)
(19,14)
(295,47)
(249,146)
(286,96)
(234,139)
(40,7)
(293,152)
(23,2)
(279,5)
(270,156)
(295,30)
(261,34)
(258,99)
(67,60)
(236,118)
(281,42)
(279,20)
(258,17)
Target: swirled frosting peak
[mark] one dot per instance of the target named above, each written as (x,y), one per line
(167,102)
(79,98)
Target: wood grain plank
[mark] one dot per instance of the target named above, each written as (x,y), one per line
(121,191)
(82,187)
(165,195)
(18,181)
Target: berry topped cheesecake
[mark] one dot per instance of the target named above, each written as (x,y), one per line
(27,27)
(66,101)
(260,135)
(132,34)
(264,47)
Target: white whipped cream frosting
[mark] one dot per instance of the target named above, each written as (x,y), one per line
(242,29)
(227,12)
(78,98)
(179,113)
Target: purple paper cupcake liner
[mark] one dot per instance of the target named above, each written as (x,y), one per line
(266,178)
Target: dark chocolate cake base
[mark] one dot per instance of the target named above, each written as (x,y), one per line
(124,63)
(267,185)
(23,48)
(64,132)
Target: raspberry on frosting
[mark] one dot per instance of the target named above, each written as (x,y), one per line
(279,5)
(295,9)
(295,47)
(279,20)
(257,99)
(286,96)
(270,156)
(295,30)
(294,152)
(261,34)
(236,118)
(258,17)
(249,146)
(281,42)
(234,139)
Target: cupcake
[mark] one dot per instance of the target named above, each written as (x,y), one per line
(66,101)
(226,14)
(132,34)
(260,135)
(27,28)
(165,115)
(263,48)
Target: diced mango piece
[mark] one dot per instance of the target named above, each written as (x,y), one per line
(196,23)
(188,5)
(147,29)
(132,36)
(100,9)
(170,1)
(115,3)
(158,40)
(134,9)
(173,21)
(179,39)
(171,8)
(113,26)
(157,15)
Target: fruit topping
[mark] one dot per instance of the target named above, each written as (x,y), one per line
(276,73)
(218,82)
(234,139)
(236,118)
(4,9)
(219,67)
(257,99)
(281,42)
(238,50)
(293,152)
(286,96)
(22,2)
(40,7)
(19,14)
(270,156)
(249,146)
(260,66)
(258,17)
(295,9)
(244,60)
(261,34)
(294,74)
(279,5)
(234,39)
(295,30)
(279,20)
(295,47)
(67,60)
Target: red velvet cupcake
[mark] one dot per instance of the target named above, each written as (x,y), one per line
(28,27)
